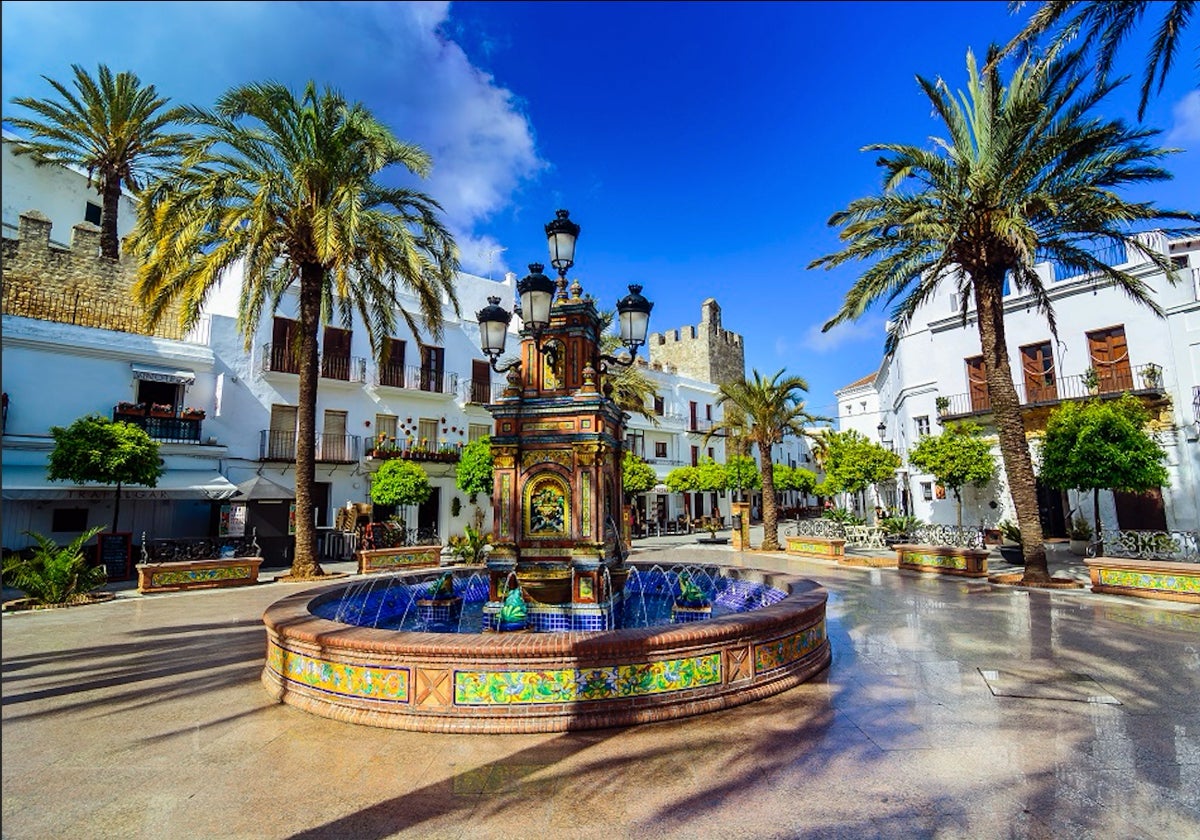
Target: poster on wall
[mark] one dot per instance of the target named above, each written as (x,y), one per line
(292,520)
(233,520)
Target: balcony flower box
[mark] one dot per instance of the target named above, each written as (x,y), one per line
(162,410)
(128,409)
(192,414)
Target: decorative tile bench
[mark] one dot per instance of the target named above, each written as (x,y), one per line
(827,548)
(942,559)
(1168,580)
(198,574)
(398,559)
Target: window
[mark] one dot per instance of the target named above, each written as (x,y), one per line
(92,213)
(427,433)
(692,408)
(927,491)
(849,408)
(481,382)
(922,425)
(660,449)
(333,443)
(1109,354)
(335,354)
(710,454)
(433,365)
(385,424)
(70,520)
(707,411)
(477,431)
(1179,261)
(281,439)
(1037,368)
(659,406)
(977,386)
(284,343)
(695,455)
(391,372)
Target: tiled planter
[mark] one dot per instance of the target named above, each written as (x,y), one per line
(198,574)
(942,559)
(1164,579)
(396,559)
(827,548)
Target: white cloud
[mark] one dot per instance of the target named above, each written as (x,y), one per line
(815,341)
(1186,126)
(396,58)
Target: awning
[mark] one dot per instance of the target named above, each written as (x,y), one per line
(28,482)
(262,489)
(661,489)
(159,374)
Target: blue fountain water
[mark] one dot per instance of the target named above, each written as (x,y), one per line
(387,602)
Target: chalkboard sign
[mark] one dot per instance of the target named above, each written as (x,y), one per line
(112,551)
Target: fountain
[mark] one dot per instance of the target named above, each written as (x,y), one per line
(557,650)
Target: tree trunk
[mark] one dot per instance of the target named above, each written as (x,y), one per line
(110,203)
(1096,512)
(1010,426)
(304,563)
(958,499)
(769,511)
(116,507)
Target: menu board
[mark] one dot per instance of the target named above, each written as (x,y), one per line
(233,520)
(112,551)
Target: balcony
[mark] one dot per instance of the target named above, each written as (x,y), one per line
(330,449)
(344,368)
(279,358)
(479,393)
(411,451)
(161,424)
(415,378)
(1142,380)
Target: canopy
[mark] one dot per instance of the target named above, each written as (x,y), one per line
(262,489)
(661,489)
(159,374)
(29,482)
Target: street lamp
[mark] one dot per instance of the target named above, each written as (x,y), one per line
(493,332)
(882,429)
(561,235)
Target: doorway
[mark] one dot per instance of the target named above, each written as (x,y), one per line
(429,514)
(1051,512)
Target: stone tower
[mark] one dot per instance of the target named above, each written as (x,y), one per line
(706,352)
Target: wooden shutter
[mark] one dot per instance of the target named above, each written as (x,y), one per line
(1037,366)
(977,384)
(1110,357)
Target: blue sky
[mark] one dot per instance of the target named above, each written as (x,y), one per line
(702,146)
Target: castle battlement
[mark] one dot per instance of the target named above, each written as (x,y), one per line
(706,351)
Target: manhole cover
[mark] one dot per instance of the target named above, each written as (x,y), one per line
(1046,684)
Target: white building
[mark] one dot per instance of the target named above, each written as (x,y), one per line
(936,374)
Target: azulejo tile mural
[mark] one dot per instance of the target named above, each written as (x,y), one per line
(569,685)
(1148,580)
(935,560)
(780,652)
(175,578)
(363,681)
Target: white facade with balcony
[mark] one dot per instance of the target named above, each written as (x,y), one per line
(937,360)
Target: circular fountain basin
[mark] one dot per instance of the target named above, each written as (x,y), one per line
(543,682)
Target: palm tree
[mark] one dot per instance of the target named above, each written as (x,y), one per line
(113,127)
(286,186)
(1107,25)
(1027,174)
(632,390)
(764,412)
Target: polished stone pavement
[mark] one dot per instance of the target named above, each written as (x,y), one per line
(952,709)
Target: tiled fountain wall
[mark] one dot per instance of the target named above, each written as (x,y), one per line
(543,682)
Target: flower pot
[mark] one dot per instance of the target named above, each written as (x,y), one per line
(1079,547)
(1012,554)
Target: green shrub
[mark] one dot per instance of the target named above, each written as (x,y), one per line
(1009,530)
(900,524)
(55,574)
(843,515)
(1080,529)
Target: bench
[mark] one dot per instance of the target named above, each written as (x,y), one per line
(1168,580)
(827,548)
(395,559)
(198,574)
(942,559)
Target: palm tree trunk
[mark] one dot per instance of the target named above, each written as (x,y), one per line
(304,563)
(116,507)
(110,204)
(770,514)
(1006,409)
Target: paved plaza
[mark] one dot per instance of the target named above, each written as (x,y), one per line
(952,708)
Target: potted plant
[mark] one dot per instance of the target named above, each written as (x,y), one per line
(1010,545)
(1080,534)
(130,409)
(1152,377)
(162,410)
(899,528)
(711,524)
(1091,380)
(55,576)
(943,405)
(190,413)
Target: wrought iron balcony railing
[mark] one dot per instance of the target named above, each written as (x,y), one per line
(279,358)
(415,378)
(479,393)
(161,426)
(330,449)
(1140,379)
(344,368)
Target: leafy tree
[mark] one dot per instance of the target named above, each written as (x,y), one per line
(55,575)
(957,457)
(95,449)
(1101,446)
(856,463)
(1105,25)
(682,480)
(741,474)
(711,477)
(636,475)
(400,482)
(632,390)
(286,186)
(474,472)
(1027,174)
(767,410)
(112,126)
